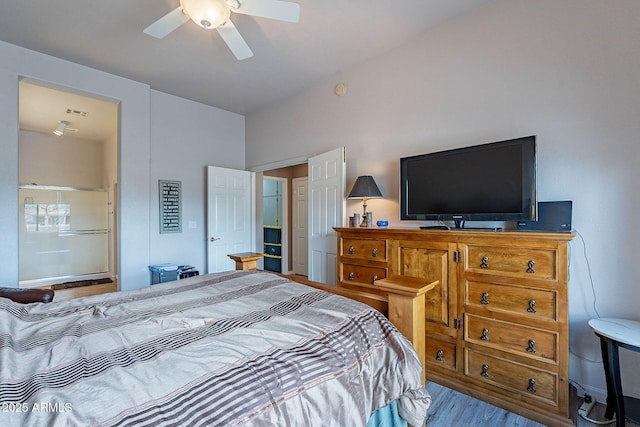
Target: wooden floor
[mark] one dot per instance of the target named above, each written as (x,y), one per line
(452,409)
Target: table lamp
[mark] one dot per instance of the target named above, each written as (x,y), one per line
(365,188)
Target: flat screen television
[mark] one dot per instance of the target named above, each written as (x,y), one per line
(488,182)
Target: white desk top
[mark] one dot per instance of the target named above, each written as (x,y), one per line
(621,330)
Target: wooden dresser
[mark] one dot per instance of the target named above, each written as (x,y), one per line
(496,324)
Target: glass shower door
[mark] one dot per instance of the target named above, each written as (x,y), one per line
(63,234)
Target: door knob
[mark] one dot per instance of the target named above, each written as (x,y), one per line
(213,239)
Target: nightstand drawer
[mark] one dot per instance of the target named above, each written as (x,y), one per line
(511,337)
(522,301)
(512,376)
(362,274)
(365,249)
(512,261)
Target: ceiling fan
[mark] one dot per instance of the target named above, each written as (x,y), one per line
(210,14)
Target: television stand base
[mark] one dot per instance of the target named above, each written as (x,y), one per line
(478,229)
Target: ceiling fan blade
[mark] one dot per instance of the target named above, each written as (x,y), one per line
(169,22)
(234,40)
(273,9)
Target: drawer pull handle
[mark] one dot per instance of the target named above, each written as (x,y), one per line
(485,371)
(439,355)
(485,298)
(532,306)
(374,252)
(351,250)
(531,387)
(531,348)
(485,261)
(351,275)
(484,336)
(373,279)
(530,265)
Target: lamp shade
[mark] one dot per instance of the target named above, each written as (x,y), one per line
(365,188)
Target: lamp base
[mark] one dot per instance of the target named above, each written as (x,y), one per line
(367,219)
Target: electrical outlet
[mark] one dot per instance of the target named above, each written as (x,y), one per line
(585,408)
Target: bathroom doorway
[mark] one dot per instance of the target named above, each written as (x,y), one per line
(68,169)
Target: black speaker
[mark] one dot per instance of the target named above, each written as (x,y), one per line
(552,216)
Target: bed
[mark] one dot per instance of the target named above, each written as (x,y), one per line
(229,349)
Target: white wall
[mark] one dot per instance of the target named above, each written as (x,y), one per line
(185,138)
(46,159)
(9,174)
(160,137)
(566,71)
(17,62)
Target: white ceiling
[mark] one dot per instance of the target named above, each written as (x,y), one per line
(195,64)
(41,108)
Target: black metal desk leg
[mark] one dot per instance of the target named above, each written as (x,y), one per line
(613,366)
(611,402)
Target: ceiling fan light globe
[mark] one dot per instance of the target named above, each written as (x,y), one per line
(206,13)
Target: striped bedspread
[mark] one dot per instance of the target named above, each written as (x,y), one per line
(225,349)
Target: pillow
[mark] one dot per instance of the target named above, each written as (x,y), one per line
(26,296)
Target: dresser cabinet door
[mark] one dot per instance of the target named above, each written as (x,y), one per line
(432,261)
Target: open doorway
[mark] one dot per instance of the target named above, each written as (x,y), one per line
(291,249)
(275,223)
(68,169)
(326,207)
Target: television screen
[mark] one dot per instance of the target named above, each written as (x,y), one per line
(489,182)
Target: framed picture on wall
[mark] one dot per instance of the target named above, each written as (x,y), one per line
(170,193)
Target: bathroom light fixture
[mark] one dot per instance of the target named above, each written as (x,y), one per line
(62,125)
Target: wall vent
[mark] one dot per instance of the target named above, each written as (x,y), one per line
(74,112)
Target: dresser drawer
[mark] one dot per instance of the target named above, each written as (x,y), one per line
(511,337)
(365,249)
(512,376)
(441,354)
(522,301)
(513,261)
(362,274)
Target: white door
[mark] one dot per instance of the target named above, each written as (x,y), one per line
(230,216)
(300,221)
(327,206)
